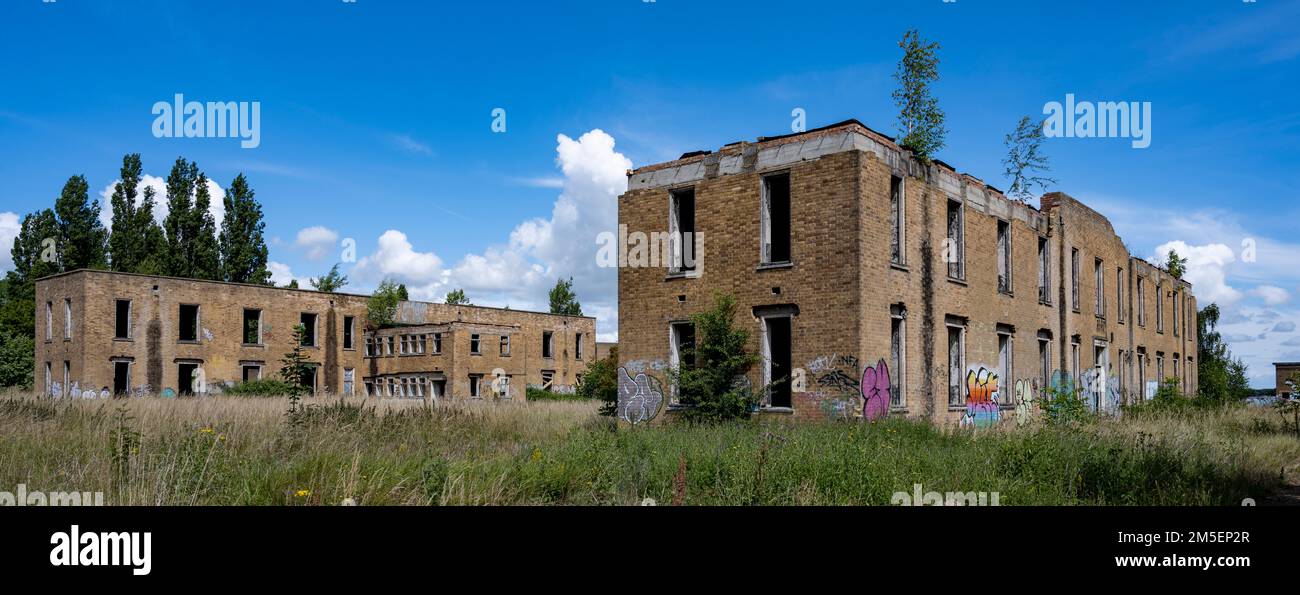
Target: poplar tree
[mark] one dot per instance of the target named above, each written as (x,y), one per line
(180,186)
(243,249)
(135,244)
(82,240)
(920,120)
(207,254)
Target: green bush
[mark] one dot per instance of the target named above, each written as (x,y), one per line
(533,393)
(714,388)
(601,383)
(261,388)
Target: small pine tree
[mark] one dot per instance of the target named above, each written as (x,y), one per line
(296,367)
(402,294)
(563,300)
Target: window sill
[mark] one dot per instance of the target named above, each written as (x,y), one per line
(958,281)
(253,345)
(774,266)
(899,266)
(777,410)
(182,342)
(1009,294)
(674,275)
(123,340)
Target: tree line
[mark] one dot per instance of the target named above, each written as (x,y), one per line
(188,242)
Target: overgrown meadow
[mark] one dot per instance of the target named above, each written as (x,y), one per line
(256,451)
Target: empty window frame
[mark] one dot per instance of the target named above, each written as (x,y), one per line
(897,221)
(49,321)
(1074,279)
(122,319)
(1098,273)
(121,376)
(1004,256)
(548,379)
(1178,310)
(956,364)
(505,345)
(548,347)
(437,343)
(681,229)
(1044,360)
(955,250)
(349,324)
(776,218)
(67,319)
(252,326)
(897,356)
(1119,294)
(189,323)
(1075,370)
(1160,367)
(474,344)
(1006,356)
(682,344)
(1044,271)
(250,372)
(1160,308)
(577,345)
(777,350)
(1141,301)
(308,322)
(389,345)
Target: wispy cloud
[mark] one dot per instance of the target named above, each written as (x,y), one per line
(409,144)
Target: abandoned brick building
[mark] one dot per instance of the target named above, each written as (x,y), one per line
(128,333)
(873,284)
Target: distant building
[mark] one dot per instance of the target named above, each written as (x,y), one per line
(1284,371)
(163,335)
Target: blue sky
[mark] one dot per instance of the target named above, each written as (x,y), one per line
(376,121)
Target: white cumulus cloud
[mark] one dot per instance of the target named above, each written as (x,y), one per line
(10,225)
(1272,294)
(519,271)
(1206,270)
(316,241)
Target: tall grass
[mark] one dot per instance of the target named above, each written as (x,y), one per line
(242,451)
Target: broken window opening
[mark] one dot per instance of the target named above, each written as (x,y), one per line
(252,326)
(308,321)
(122,319)
(189,323)
(776,218)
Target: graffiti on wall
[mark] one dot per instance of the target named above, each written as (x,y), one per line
(1026,399)
(876,391)
(848,391)
(1100,392)
(640,397)
(982,398)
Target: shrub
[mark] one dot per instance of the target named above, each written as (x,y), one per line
(261,388)
(601,383)
(533,393)
(714,387)
(1064,406)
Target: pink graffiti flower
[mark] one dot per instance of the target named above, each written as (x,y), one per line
(875,391)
